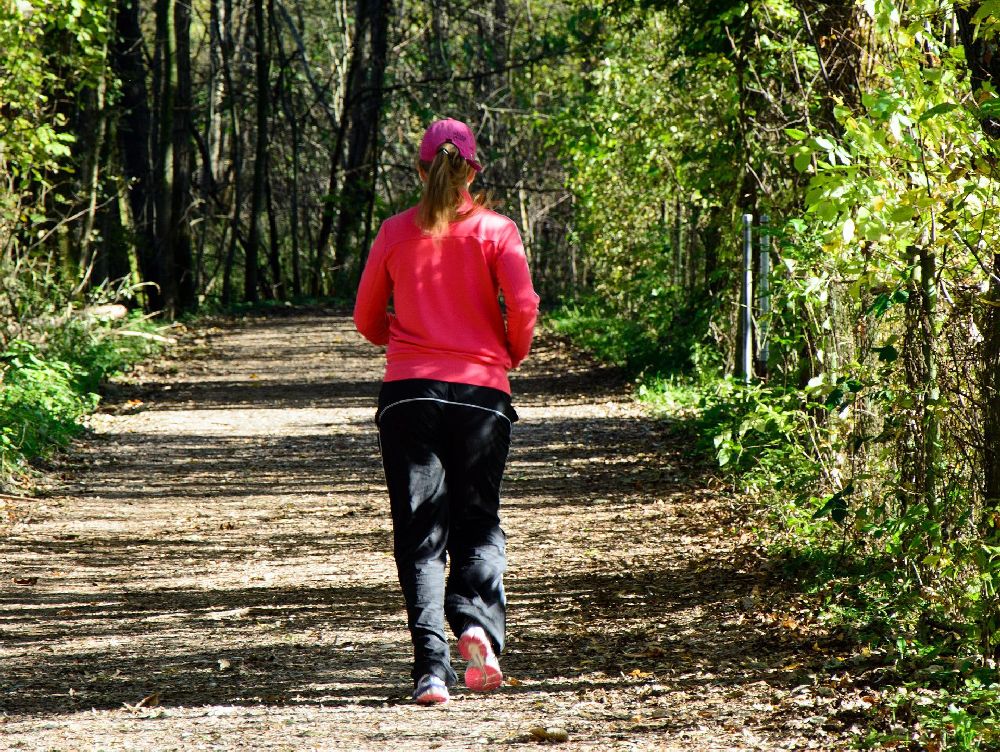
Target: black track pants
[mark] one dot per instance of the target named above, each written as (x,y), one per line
(444,447)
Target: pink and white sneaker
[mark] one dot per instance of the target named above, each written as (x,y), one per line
(483,672)
(431,690)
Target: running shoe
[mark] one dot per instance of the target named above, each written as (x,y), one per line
(431,691)
(483,672)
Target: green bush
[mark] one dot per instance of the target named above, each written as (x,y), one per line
(657,338)
(45,391)
(98,349)
(40,405)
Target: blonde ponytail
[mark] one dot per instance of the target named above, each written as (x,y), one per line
(447,178)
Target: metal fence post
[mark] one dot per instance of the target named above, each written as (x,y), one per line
(747,344)
(764,290)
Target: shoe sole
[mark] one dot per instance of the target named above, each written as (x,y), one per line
(479,676)
(432,697)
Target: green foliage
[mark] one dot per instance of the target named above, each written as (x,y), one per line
(39,405)
(662,338)
(672,396)
(50,49)
(863,443)
(638,152)
(97,349)
(954,705)
(615,340)
(44,393)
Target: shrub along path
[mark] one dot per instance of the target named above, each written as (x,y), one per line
(216,572)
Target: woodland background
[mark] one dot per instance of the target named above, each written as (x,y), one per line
(178,157)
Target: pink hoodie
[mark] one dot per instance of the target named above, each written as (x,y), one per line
(447,322)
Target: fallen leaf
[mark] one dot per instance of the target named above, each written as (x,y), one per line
(551,734)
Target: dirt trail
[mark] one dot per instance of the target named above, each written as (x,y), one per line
(216,572)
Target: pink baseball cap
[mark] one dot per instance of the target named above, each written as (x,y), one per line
(449,131)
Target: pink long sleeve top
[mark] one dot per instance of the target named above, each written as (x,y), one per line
(446,322)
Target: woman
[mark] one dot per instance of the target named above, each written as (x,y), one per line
(444,416)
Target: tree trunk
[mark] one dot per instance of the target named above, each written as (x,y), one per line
(257,196)
(362,154)
(211,140)
(930,328)
(983,62)
(183,157)
(711,240)
(94,122)
(835,31)
(115,244)
(294,208)
(163,157)
(492,22)
(355,80)
(227,44)
(273,254)
(288,108)
(437,42)
(675,241)
(134,130)
(746,198)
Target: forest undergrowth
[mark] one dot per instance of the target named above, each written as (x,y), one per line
(54,355)
(874,624)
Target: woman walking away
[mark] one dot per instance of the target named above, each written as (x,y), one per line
(444,411)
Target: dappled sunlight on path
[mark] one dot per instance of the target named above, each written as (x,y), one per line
(217,571)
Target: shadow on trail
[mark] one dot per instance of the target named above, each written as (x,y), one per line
(297,392)
(300,658)
(615,622)
(563,630)
(96,553)
(555,461)
(281,385)
(228,466)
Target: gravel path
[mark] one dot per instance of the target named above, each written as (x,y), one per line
(215,572)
